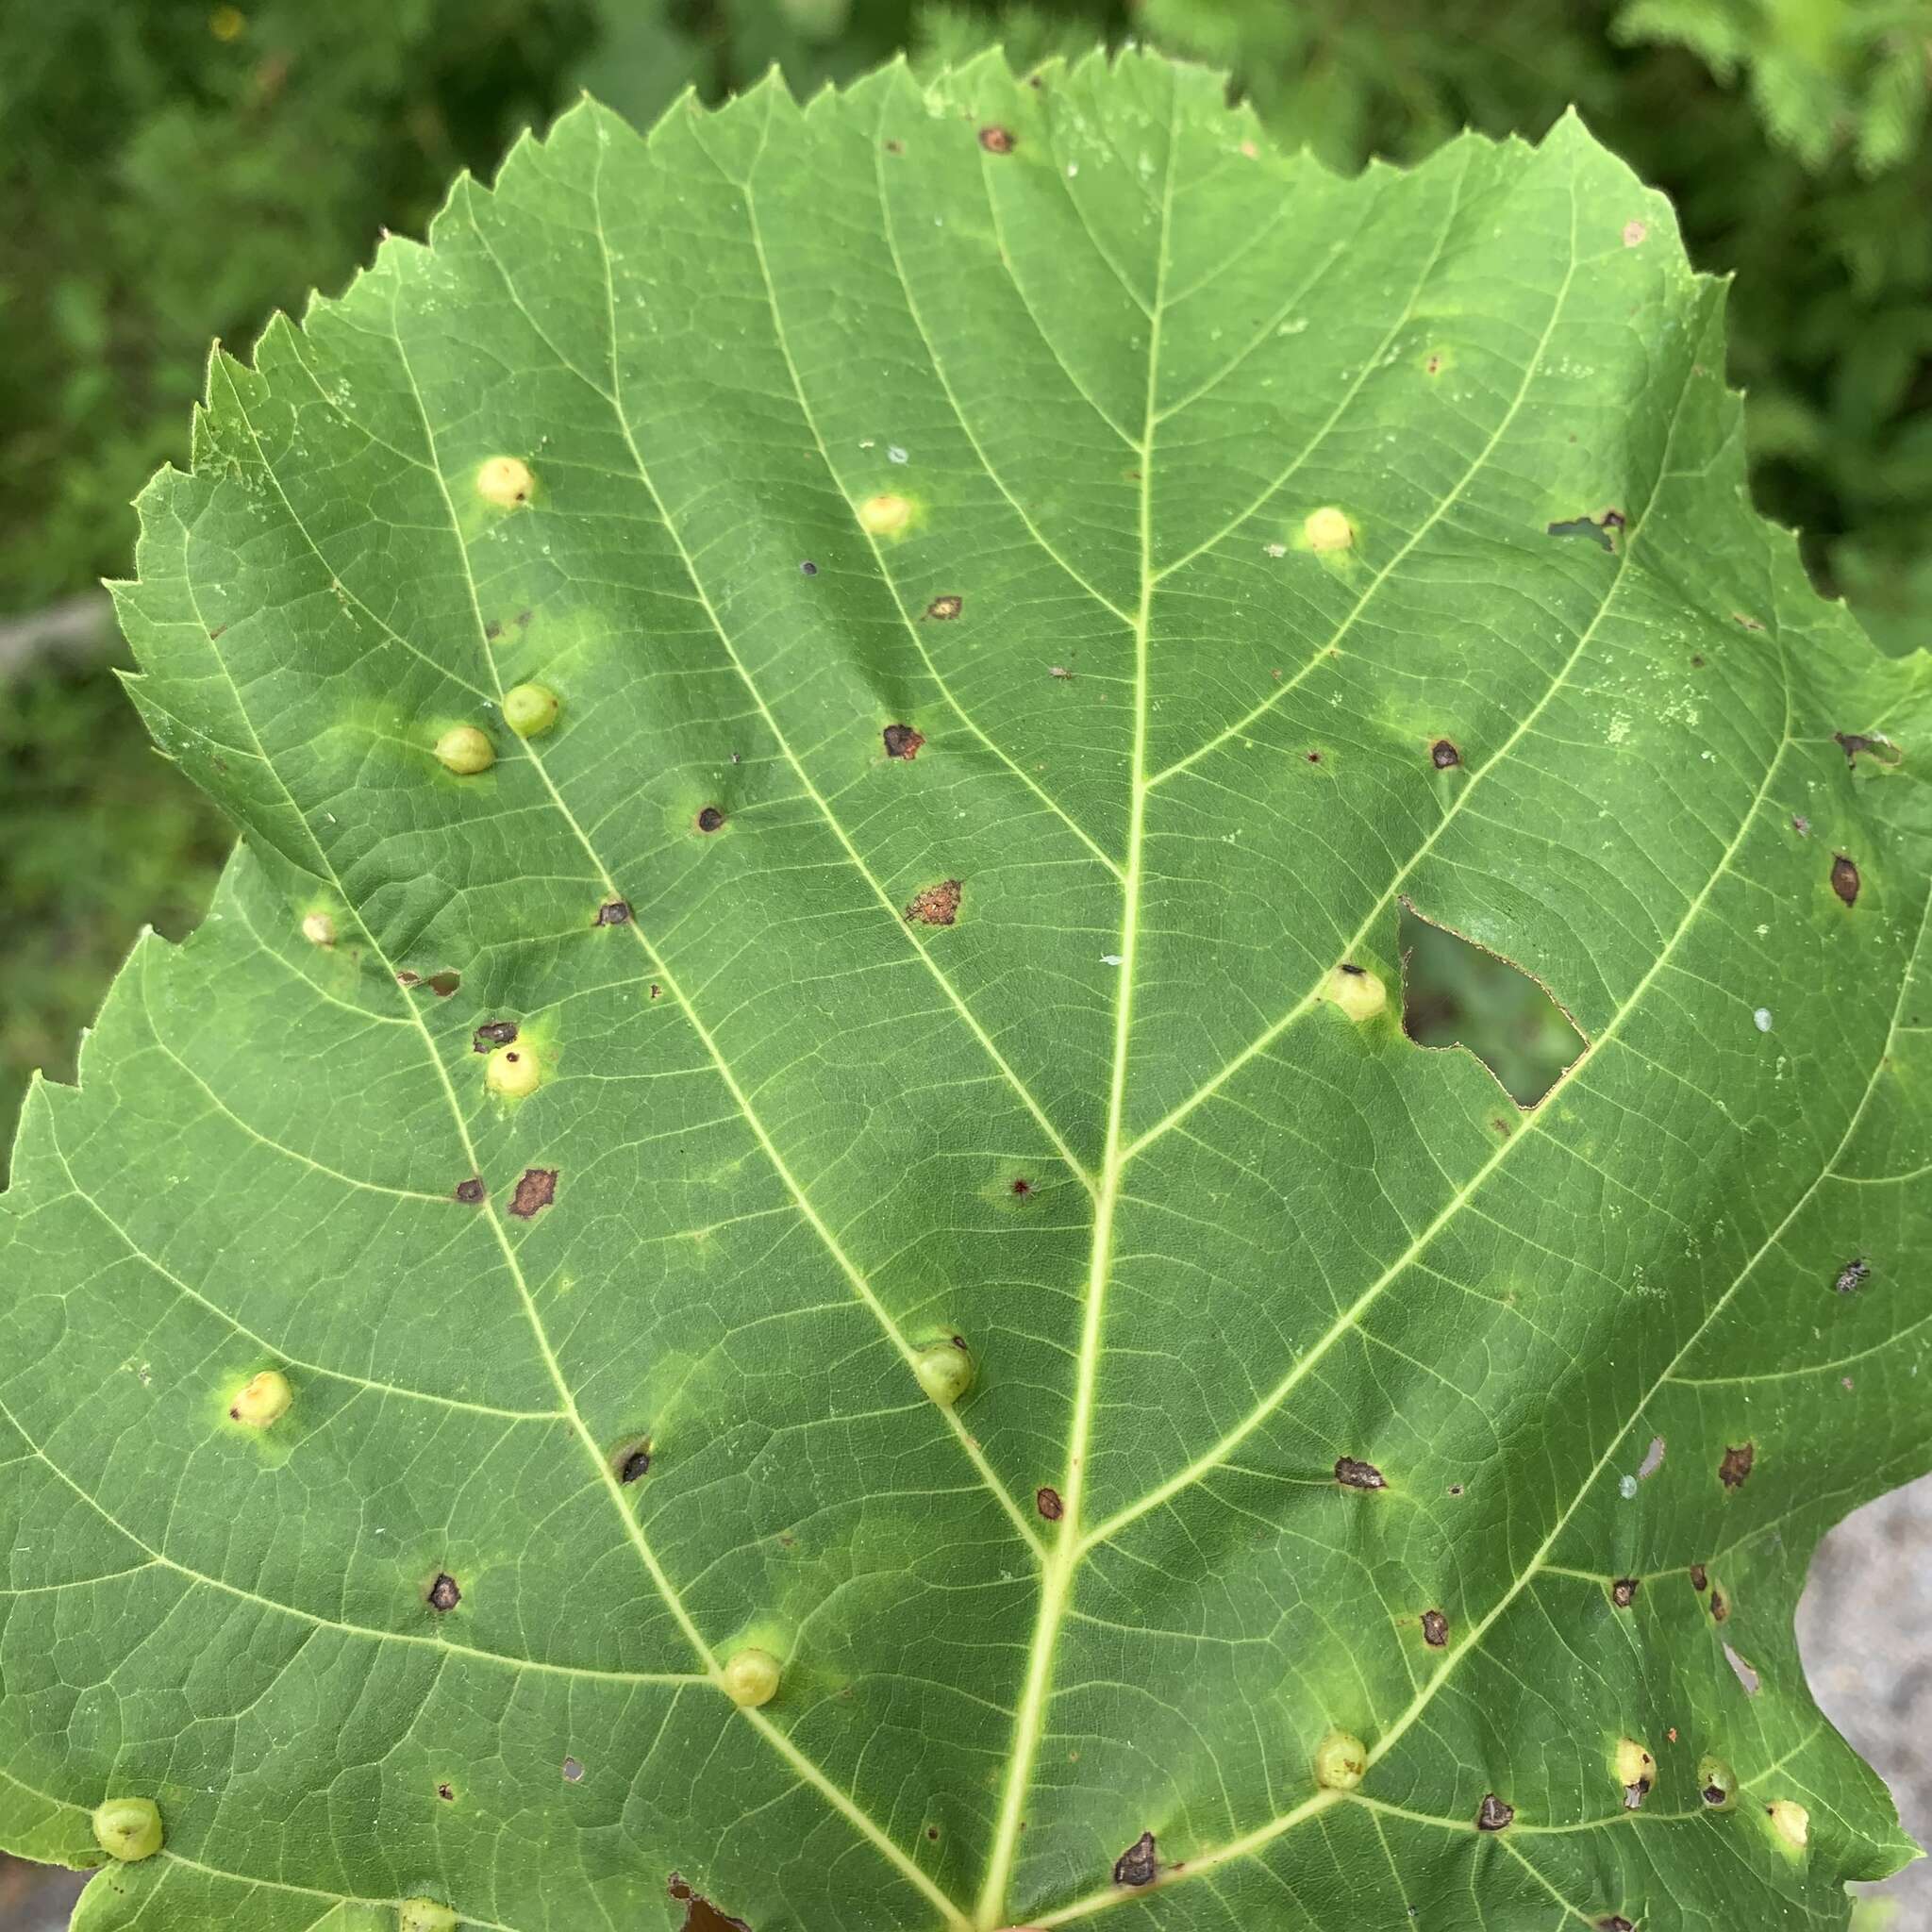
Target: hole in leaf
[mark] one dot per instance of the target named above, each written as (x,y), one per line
(1746,1675)
(700,1914)
(1455,993)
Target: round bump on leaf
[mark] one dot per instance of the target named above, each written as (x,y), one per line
(530,710)
(511,1072)
(505,482)
(1341,1761)
(128,1829)
(318,929)
(1327,529)
(261,1400)
(1791,1820)
(1717,1784)
(1357,991)
(1635,1770)
(751,1677)
(424,1915)
(885,515)
(465,751)
(945,1369)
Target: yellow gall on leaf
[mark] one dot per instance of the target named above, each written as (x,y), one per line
(530,710)
(261,1400)
(318,929)
(228,24)
(511,1072)
(945,1369)
(505,482)
(424,1915)
(1327,529)
(751,1677)
(884,516)
(1341,1761)
(1636,1772)
(465,751)
(1791,1820)
(128,1829)
(1357,991)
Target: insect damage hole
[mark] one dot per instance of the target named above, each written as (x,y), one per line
(1434,1630)
(1353,1474)
(710,819)
(1844,879)
(493,1033)
(1745,1675)
(1455,993)
(1494,1814)
(998,141)
(1736,1465)
(943,610)
(1047,1500)
(902,741)
(445,1593)
(700,1914)
(613,912)
(1623,1591)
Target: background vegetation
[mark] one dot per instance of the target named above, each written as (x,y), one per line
(170,173)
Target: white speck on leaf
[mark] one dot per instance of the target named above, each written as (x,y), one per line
(894,454)
(1762,1019)
(1109,959)
(1626,1486)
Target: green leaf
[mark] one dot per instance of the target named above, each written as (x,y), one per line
(1311,1392)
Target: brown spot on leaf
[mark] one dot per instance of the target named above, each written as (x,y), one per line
(1720,1605)
(470,1191)
(535,1191)
(710,819)
(1049,1504)
(1736,1466)
(614,912)
(1434,365)
(902,741)
(997,140)
(443,984)
(1844,879)
(443,1592)
(1443,753)
(1022,1186)
(493,1033)
(407,978)
(1350,1472)
(1850,1277)
(1749,623)
(447,1793)
(1494,1815)
(936,906)
(1623,1591)
(636,1464)
(895,147)
(943,610)
(493,630)
(1434,1630)
(1137,1864)
(1699,1576)
(1615,1923)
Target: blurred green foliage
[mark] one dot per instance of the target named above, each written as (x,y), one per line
(173,171)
